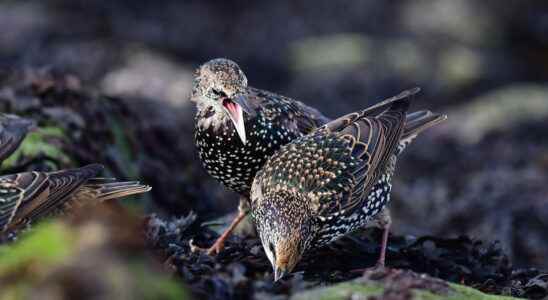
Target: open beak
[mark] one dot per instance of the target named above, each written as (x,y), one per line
(235,107)
(235,112)
(279,274)
(242,101)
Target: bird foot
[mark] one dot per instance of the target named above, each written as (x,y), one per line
(219,244)
(378,267)
(215,249)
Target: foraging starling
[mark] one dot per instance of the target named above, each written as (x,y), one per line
(13,130)
(333,181)
(29,196)
(237,127)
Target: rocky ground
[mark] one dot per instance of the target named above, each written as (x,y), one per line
(482,174)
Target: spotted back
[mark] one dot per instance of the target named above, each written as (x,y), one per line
(337,165)
(371,137)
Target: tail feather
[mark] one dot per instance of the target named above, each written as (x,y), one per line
(97,190)
(418,121)
(105,189)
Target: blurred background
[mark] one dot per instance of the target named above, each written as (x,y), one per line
(484,63)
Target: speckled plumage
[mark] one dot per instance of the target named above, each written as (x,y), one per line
(271,121)
(29,196)
(13,130)
(333,181)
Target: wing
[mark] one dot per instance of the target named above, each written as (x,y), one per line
(17,191)
(306,118)
(336,165)
(290,113)
(372,141)
(62,184)
(13,130)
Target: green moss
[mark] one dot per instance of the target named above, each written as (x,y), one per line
(465,292)
(340,291)
(154,286)
(26,263)
(39,142)
(348,289)
(46,244)
(15,292)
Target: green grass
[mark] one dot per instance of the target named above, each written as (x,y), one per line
(46,245)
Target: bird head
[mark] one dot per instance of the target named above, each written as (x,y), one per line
(285,229)
(221,84)
(15,123)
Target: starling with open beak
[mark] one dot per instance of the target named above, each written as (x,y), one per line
(333,181)
(237,127)
(29,196)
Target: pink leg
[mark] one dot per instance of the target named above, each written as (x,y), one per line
(384,243)
(220,242)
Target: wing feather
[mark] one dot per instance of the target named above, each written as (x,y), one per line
(374,134)
(62,184)
(18,190)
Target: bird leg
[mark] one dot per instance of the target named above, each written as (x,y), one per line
(383,221)
(384,243)
(218,246)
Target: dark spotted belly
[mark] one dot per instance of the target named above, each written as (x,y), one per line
(343,224)
(227,159)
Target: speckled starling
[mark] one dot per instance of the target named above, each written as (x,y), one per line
(333,181)
(238,127)
(29,196)
(13,130)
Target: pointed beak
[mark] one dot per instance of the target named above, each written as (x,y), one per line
(244,103)
(279,274)
(235,112)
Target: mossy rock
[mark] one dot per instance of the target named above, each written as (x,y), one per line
(359,289)
(41,142)
(53,259)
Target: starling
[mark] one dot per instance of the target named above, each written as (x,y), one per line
(29,196)
(13,130)
(333,181)
(237,127)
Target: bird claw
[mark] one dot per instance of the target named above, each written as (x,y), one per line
(379,266)
(215,249)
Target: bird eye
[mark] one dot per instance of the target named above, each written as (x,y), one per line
(218,93)
(271,247)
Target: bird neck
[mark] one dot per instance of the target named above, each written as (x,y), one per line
(210,115)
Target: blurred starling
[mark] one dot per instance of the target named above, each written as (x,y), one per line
(238,127)
(333,181)
(13,130)
(29,196)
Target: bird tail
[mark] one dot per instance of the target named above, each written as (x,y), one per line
(108,188)
(418,121)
